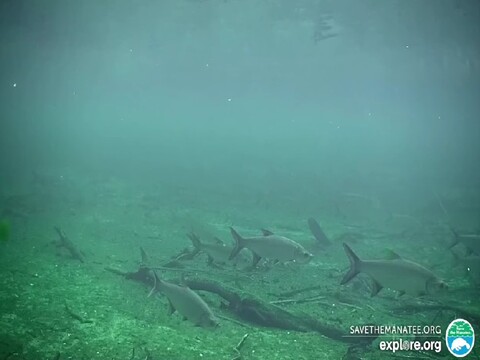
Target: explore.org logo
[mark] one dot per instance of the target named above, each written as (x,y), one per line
(460,338)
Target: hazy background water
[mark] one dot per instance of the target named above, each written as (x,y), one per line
(129,124)
(242,98)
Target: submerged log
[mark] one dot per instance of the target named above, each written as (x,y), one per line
(257,311)
(251,309)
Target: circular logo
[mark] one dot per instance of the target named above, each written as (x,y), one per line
(406,345)
(460,338)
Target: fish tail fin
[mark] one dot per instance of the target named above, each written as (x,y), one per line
(456,238)
(318,233)
(239,243)
(354,264)
(156,284)
(195,241)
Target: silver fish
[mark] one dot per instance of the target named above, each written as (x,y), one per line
(398,274)
(187,302)
(271,246)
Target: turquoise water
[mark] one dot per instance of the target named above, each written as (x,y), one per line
(130,125)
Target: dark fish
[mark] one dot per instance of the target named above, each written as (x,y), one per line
(470,241)
(398,274)
(318,232)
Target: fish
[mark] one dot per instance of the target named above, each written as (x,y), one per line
(271,246)
(187,302)
(470,241)
(318,233)
(4,230)
(219,252)
(407,277)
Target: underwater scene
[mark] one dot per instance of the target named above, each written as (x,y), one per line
(239,179)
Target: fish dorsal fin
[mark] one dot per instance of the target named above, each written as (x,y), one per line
(392,255)
(218,241)
(266,232)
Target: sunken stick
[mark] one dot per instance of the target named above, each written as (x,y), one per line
(254,310)
(65,242)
